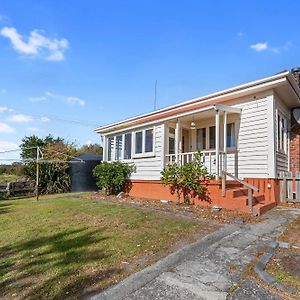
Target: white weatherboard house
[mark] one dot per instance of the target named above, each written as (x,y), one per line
(244,133)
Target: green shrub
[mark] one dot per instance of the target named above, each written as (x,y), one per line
(187,180)
(112,177)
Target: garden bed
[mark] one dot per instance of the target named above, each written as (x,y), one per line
(188,211)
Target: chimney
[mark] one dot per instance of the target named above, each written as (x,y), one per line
(296,73)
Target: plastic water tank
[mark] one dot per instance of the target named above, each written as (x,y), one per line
(82,179)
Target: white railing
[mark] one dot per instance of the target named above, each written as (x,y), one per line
(208,158)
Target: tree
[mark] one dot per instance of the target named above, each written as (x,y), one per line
(53,176)
(187,180)
(92,148)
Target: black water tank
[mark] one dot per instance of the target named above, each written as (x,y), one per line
(82,179)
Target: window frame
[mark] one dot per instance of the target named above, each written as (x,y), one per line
(143,153)
(281,133)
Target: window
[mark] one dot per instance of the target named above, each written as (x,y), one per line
(118,152)
(127,146)
(149,140)
(201,138)
(230,139)
(281,134)
(212,137)
(109,148)
(139,142)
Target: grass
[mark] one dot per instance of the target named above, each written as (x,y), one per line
(67,246)
(8,178)
(284,266)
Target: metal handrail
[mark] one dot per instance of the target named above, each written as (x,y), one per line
(247,184)
(250,187)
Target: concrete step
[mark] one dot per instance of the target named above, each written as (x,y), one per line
(261,208)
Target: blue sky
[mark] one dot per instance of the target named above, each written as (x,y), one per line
(96,62)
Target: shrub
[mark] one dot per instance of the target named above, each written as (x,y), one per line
(186,179)
(112,177)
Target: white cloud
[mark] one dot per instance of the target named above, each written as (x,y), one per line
(45,119)
(6,146)
(34,129)
(37,99)
(36,45)
(5,109)
(259,46)
(49,95)
(75,100)
(5,128)
(20,118)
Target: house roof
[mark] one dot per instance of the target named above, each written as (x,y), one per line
(268,83)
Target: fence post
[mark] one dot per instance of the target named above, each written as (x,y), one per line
(297,179)
(223,183)
(283,189)
(250,200)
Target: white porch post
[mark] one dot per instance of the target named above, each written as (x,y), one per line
(225,141)
(217,144)
(177,140)
(104,148)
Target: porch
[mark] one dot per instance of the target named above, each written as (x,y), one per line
(213,131)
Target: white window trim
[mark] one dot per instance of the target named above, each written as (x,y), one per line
(206,127)
(113,150)
(143,154)
(279,138)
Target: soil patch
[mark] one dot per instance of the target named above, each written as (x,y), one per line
(224,216)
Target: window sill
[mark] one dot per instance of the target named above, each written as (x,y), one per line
(143,155)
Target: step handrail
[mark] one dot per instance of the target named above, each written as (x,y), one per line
(247,184)
(250,187)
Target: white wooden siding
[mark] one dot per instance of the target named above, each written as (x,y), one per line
(149,168)
(253,143)
(282,159)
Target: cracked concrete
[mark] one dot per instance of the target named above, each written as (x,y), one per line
(206,269)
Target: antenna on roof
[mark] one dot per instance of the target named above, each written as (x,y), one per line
(155,94)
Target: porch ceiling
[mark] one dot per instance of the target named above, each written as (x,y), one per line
(209,113)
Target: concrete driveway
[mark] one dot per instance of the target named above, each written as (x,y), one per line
(206,269)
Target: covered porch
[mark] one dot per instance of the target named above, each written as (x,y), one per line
(213,130)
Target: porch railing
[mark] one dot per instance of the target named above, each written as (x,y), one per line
(208,158)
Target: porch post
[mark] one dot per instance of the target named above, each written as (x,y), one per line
(225,141)
(177,140)
(217,143)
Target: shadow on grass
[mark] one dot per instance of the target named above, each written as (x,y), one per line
(52,266)
(5,208)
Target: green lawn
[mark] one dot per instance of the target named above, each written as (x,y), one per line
(8,178)
(66,246)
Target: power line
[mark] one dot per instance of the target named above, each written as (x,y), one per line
(56,118)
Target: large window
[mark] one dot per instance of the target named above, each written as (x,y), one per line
(127,146)
(144,143)
(212,137)
(201,139)
(149,140)
(118,152)
(138,142)
(281,134)
(230,139)
(109,148)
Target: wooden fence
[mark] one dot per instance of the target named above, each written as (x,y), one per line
(290,187)
(14,189)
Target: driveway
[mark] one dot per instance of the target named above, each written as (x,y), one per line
(206,269)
